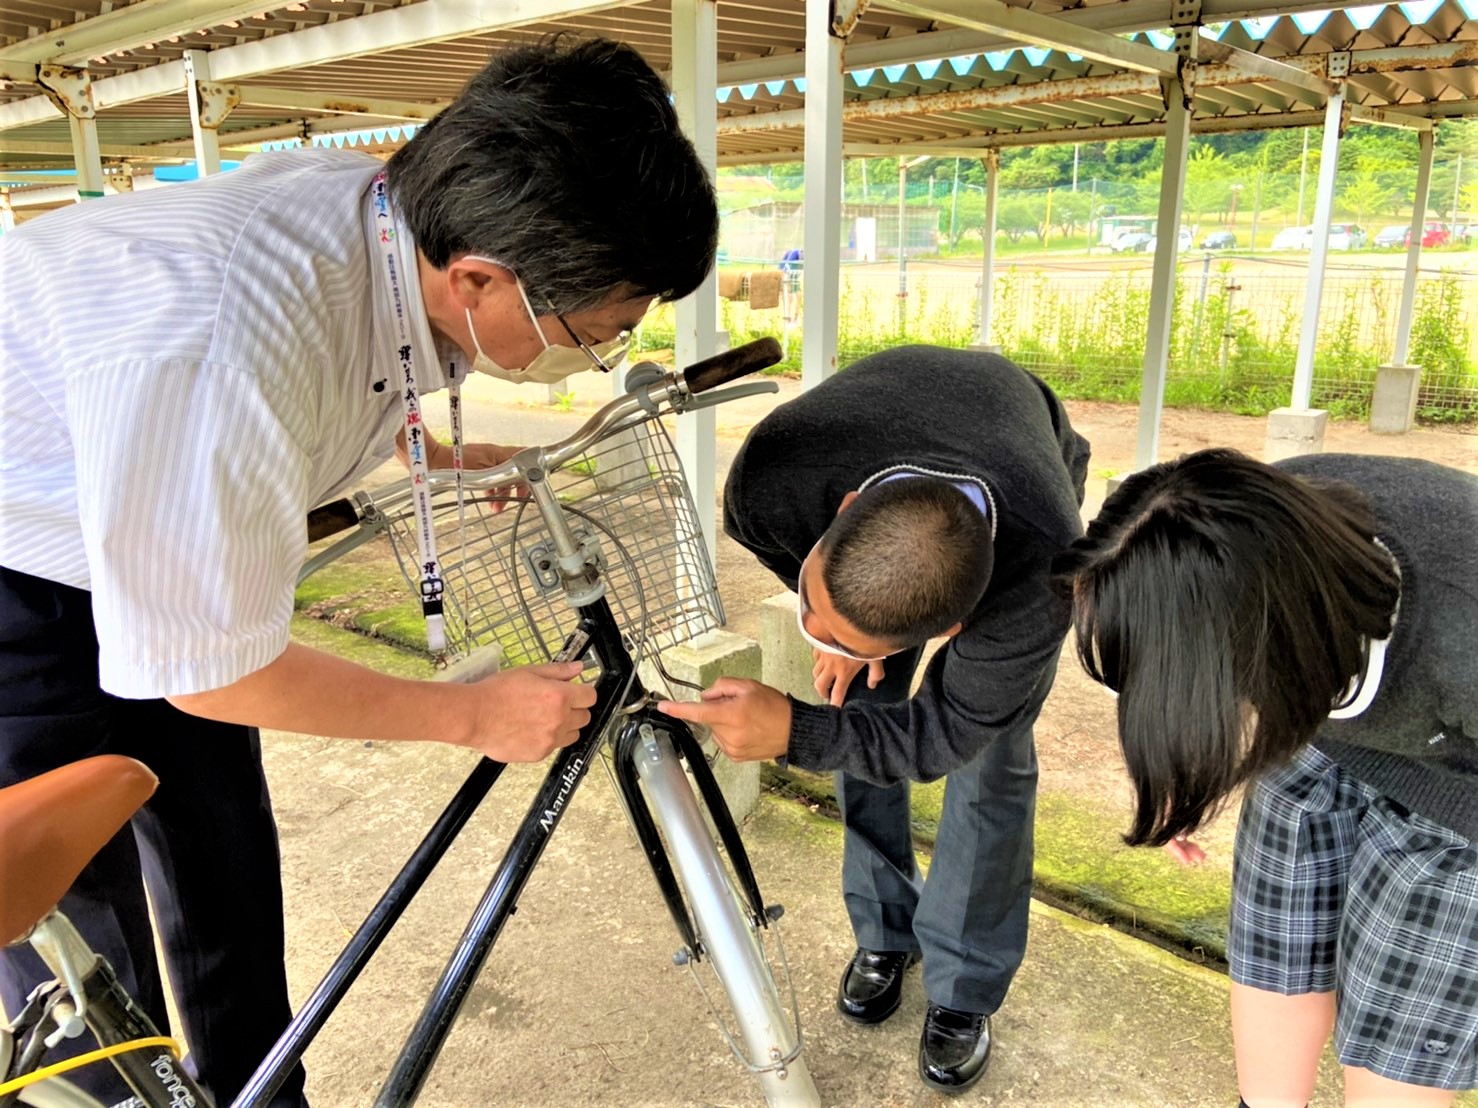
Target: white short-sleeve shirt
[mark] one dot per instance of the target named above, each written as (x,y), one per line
(184,373)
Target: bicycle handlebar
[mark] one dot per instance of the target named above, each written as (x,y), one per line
(643,402)
(732,364)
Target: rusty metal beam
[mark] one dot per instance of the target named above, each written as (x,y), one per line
(1259,67)
(1002,96)
(1386,117)
(126,27)
(1039,29)
(337,103)
(164,152)
(1308,69)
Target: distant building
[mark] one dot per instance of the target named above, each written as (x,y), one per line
(765,232)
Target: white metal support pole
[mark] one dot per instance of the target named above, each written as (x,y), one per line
(1427,139)
(71,91)
(87,155)
(992,163)
(210,104)
(7,213)
(827,25)
(1303,370)
(695,95)
(1179,93)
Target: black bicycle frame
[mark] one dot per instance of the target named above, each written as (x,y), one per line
(617,687)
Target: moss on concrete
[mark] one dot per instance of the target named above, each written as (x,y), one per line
(1082,864)
(354,647)
(367,597)
(1082,861)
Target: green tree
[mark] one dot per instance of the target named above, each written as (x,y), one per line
(1208,182)
(1366,192)
(1070,210)
(1021,215)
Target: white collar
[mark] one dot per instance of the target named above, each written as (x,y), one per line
(1360,693)
(924,471)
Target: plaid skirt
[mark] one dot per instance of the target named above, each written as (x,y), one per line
(1336,887)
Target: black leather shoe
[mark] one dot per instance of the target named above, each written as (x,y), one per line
(872,984)
(954,1050)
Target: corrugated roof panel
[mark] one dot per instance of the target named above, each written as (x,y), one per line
(1364,18)
(1259,28)
(1419,11)
(1309,22)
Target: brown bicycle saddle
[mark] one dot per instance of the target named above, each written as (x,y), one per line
(52,825)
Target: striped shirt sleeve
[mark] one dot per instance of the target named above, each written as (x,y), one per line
(191,494)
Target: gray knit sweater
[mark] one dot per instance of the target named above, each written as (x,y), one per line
(1417,743)
(950,411)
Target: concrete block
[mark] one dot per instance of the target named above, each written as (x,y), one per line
(482,662)
(985,347)
(703,661)
(1292,432)
(786,654)
(1393,403)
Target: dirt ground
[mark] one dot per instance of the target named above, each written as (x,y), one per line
(581,1004)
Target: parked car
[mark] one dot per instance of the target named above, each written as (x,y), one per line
(1294,238)
(1394,235)
(1182,244)
(1219,240)
(1131,242)
(1435,233)
(1346,236)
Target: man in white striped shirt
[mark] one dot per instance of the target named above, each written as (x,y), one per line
(184,373)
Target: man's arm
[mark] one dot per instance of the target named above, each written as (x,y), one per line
(990,681)
(518,716)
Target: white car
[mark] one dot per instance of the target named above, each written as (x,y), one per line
(1182,244)
(1346,236)
(1294,238)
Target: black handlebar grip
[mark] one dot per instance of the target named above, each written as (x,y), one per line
(723,368)
(331,519)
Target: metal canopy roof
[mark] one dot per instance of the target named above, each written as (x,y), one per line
(915,83)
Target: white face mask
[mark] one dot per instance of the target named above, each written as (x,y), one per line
(552,364)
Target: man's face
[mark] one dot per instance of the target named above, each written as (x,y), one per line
(825,624)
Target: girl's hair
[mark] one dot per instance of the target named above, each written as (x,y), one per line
(1228,603)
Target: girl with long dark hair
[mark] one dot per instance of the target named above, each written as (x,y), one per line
(1310,631)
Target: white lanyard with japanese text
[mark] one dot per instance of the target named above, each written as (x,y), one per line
(432,587)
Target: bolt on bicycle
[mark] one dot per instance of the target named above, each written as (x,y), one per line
(607,532)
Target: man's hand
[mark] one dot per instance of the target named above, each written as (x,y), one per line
(750,722)
(475,456)
(529,712)
(832,675)
(1184,851)
(485,455)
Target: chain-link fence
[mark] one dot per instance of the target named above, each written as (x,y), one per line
(1082,326)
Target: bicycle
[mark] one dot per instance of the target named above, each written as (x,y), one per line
(510,574)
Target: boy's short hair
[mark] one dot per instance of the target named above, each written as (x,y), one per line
(907,560)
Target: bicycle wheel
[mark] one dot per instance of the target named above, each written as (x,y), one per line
(729,937)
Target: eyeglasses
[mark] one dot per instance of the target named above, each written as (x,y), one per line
(604,355)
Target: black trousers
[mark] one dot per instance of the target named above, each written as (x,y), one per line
(205,846)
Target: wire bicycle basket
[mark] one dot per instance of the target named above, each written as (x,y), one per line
(626,496)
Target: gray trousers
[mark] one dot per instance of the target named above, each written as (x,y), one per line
(969,917)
